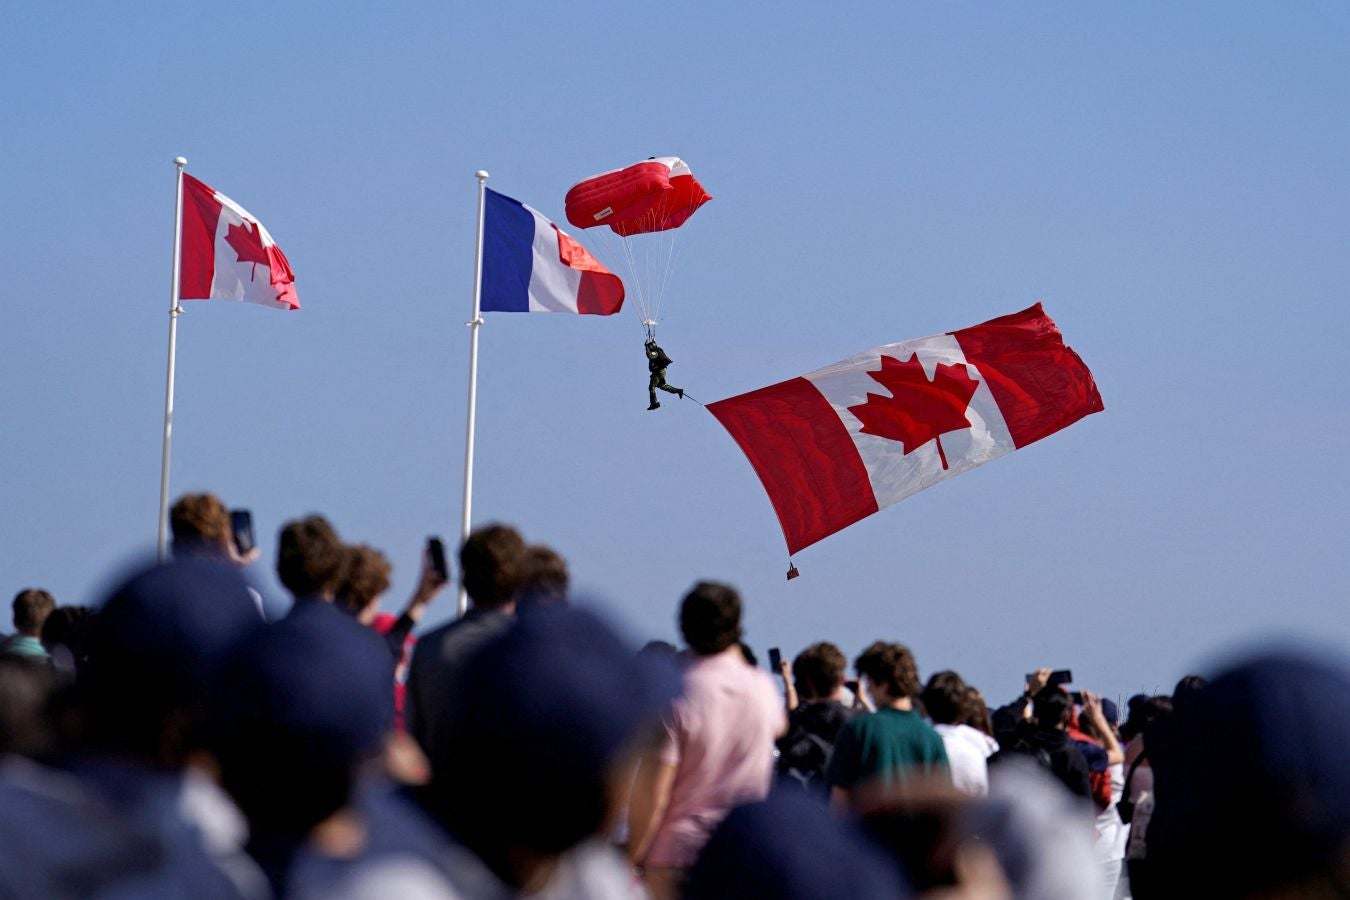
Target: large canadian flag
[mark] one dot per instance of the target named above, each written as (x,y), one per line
(228,255)
(844,441)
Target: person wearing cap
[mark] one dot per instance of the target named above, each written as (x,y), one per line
(718,747)
(783,848)
(302,709)
(142,814)
(540,738)
(1254,792)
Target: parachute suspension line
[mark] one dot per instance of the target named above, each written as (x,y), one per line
(660,260)
(668,272)
(615,252)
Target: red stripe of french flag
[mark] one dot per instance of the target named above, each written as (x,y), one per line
(840,443)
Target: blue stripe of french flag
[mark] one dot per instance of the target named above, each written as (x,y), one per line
(531,265)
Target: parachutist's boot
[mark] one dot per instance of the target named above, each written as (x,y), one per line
(655,405)
(680,391)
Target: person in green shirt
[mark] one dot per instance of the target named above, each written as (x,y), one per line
(892,744)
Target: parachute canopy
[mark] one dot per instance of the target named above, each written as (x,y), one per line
(653,195)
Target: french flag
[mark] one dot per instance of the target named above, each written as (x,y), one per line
(531,265)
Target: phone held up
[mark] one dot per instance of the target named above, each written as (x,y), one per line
(436,553)
(775,659)
(1057,677)
(241,531)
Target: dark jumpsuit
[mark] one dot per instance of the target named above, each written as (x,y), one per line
(656,364)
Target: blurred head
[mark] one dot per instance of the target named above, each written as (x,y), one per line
(199,522)
(1263,745)
(787,848)
(748,654)
(546,578)
(537,734)
(945,698)
(495,563)
(154,651)
(663,650)
(1187,691)
(365,576)
(819,671)
(310,557)
(976,712)
(65,634)
(25,686)
(299,706)
(892,666)
(1111,712)
(710,618)
(32,606)
(1143,710)
(1051,708)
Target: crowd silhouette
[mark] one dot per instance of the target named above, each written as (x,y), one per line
(169,741)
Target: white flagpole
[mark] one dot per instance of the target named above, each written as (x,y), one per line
(174,312)
(462,602)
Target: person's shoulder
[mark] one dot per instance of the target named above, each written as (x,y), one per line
(861,724)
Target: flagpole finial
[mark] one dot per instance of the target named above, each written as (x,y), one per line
(180,161)
(481,175)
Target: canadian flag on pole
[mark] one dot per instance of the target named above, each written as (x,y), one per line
(228,255)
(844,441)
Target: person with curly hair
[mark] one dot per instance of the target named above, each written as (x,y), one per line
(893,744)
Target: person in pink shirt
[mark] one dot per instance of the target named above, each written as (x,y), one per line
(718,750)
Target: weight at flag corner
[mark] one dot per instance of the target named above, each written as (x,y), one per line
(227,254)
(840,443)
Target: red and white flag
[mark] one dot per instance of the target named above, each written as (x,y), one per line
(228,255)
(844,441)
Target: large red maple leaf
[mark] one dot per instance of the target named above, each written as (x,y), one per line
(247,245)
(918,410)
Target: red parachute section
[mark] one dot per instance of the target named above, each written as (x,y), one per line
(653,195)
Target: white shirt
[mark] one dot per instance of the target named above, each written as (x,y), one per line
(968,750)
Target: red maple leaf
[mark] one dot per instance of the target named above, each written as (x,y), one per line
(918,410)
(247,245)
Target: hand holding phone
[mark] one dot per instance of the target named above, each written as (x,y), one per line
(1047,678)
(436,559)
(241,531)
(775,660)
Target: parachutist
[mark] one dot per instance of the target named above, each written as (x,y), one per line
(656,365)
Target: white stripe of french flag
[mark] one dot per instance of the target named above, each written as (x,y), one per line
(531,265)
(837,445)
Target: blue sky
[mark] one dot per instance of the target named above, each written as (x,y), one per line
(1170,180)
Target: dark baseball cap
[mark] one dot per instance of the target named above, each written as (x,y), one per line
(789,847)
